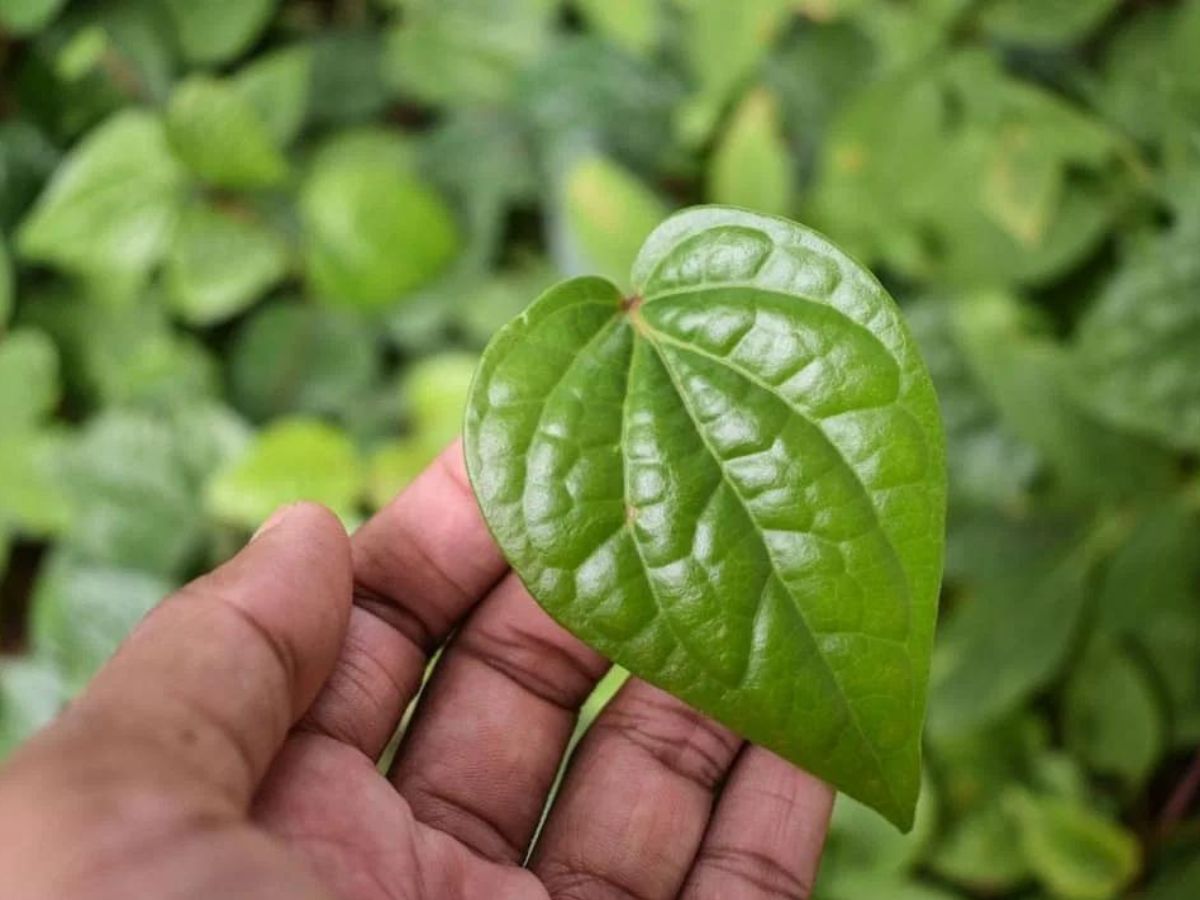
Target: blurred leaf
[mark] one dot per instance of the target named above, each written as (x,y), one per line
(608,214)
(101,57)
(1027,376)
(816,72)
(347,77)
(634,24)
(111,206)
(465,51)
(82,53)
(374,231)
(751,166)
(893,887)
(31,694)
(1177,883)
(1153,570)
(589,93)
(1151,87)
(988,463)
(29,382)
(82,611)
(27,159)
(392,467)
(1148,596)
(215,31)
(724,43)
(1112,719)
(278,86)
(863,844)
(1076,853)
(1136,349)
(490,305)
(292,359)
(292,460)
(221,262)
(7,285)
(484,187)
(1045,22)
(436,388)
(135,500)
(1011,634)
(975,766)
(32,501)
(929,170)
(158,369)
(218,133)
(27,16)
(982,851)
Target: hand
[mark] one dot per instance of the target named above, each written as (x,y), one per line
(229,749)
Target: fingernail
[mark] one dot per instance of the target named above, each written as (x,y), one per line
(274,519)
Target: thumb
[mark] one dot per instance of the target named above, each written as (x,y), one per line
(215,677)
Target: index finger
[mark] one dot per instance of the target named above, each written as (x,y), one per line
(420,565)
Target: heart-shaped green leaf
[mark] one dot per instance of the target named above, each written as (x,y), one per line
(731,483)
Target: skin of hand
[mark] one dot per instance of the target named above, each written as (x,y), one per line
(230,747)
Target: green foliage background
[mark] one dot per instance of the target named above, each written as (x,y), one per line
(250,249)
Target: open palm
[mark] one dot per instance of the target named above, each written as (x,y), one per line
(230,749)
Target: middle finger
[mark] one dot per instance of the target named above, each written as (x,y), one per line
(487,737)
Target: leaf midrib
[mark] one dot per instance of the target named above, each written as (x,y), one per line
(768,388)
(812,634)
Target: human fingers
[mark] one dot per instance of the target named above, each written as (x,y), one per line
(206,688)
(765,838)
(488,736)
(420,565)
(633,808)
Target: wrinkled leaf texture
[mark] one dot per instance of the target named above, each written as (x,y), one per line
(732,483)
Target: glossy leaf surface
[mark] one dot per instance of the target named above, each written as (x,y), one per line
(733,485)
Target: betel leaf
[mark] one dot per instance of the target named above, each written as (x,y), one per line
(1112,718)
(29,380)
(218,30)
(1013,631)
(111,205)
(465,51)
(1136,346)
(436,389)
(607,213)
(374,231)
(27,16)
(220,262)
(752,165)
(1074,851)
(731,483)
(296,358)
(278,86)
(634,24)
(292,460)
(220,135)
